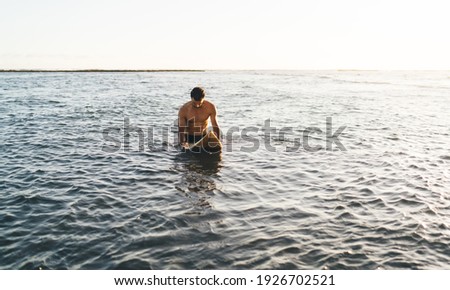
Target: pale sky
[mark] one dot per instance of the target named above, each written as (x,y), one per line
(232,34)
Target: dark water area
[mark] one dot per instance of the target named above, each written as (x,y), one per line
(71,199)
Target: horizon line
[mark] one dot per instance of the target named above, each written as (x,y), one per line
(201,70)
(100,70)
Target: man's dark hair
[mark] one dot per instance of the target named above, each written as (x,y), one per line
(198,93)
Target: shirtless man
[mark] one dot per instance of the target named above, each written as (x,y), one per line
(193,118)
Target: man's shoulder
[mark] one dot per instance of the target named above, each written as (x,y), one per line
(185,106)
(209,104)
(183,110)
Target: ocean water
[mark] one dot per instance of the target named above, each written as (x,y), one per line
(75,195)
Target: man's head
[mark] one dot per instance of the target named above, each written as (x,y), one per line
(197,96)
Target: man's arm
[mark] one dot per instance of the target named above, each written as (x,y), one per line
(182,126)
(214,124)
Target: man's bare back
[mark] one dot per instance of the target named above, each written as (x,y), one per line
(193,117)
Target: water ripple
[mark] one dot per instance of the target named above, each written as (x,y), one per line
(383,203)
